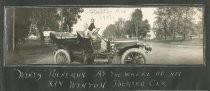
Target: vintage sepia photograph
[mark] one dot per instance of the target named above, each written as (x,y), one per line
(169,35)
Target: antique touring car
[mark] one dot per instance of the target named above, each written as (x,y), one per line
(89,50)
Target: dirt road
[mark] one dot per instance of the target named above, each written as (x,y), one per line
(175,54)
(162,53)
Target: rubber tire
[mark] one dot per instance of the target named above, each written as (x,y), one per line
(65,52)
(132,50)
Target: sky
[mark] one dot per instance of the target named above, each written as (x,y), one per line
(105,16)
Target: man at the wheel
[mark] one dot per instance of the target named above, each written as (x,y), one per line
(92,32)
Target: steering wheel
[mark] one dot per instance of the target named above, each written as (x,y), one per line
(96,31)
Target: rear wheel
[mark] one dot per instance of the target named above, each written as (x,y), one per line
(62,57)
(133,56)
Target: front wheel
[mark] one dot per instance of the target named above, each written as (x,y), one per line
(62,57)
(133,56)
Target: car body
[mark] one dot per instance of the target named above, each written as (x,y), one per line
(86,50)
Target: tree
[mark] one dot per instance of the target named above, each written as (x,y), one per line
(144,29)
(42,19)
(129,28)
(55,19)
(198,28)
(119,28)
(110,31)
(134,27)
(70,17)
(174,20)
(141,27)
(199,25)
(136,18)
(22,24)
(187,21)
(162,22)
(115,30)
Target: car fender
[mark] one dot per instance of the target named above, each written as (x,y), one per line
(123,49)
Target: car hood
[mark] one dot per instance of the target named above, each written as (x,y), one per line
(126,43)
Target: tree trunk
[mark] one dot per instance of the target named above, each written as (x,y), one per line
(14,43)
(132,34)
(165,36)
(137,32)
(165,29)
(199,36)
(41,36)
(174,36)
(184,37)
